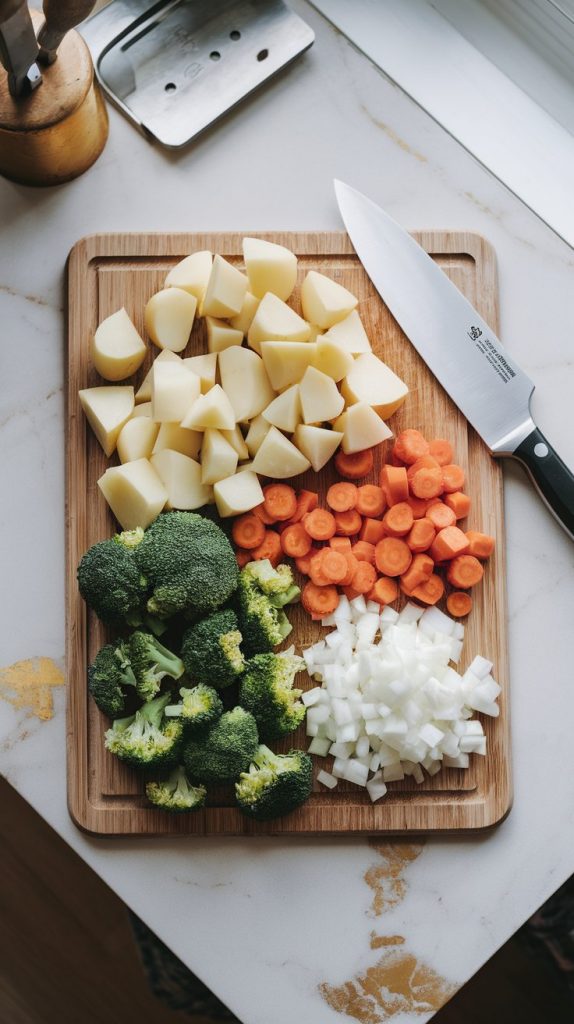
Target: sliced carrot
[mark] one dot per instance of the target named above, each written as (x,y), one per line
(342,497)
(304,564)
(464,571)
(365,578)
(458,603)
(425,462)
(350,592)
(418,571)
(394,460)
(352,564)
(320,524)
(430,591)
(243,557)
(372,531)
(280,501)
(334,565)
(410,445)
(316,574)
(419,506)
(248,531)
(459,503)
(263,515)
(319,600)
(354,466)
(440,515)
(441,450)
(427,483)
(340,544)
(385,591)
(306,502)
(269,548)
(348,523)
(481,545)
(452,478)
(394,483)
(370,500)
(398,519)
(295,541)
(421,535)
(448,543)
(392,556)
(364,552)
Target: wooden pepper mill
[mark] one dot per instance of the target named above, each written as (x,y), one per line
(53,120)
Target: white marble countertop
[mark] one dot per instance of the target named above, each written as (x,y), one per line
(297,930)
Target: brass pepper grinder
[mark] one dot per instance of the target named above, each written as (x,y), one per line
(53,120)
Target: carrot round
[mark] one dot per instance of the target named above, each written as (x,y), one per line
(348,523)
(319,600)
(448,543)
(340,544)
(270,548)
(354,466)
(395,485)
(418,505)
(479,544)
(320,524)
(418,572)
(370,500)
(385,591)
(263,515)
(372,531)
(280,501)
(364,552)
(458,503)
(427,483)
(421,535)
(452,478)
(352,564)
(295,541)
(464,571)
(440,515)
(458,603)
(365,578)
(441,450)
(248,531)
(410,445)
(425,462)
(350,593)
(242,557)
(398,519)
(430,591)
(304,564)
(306,502)
(316,574)
(392,556)
(334,565)
(342,497)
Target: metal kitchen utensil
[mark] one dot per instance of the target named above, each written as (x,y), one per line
(61,16)
(459,347)
(176,66)
(18,47)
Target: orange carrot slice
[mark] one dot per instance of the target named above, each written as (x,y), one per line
(385,591)
(459,503)
(410,445)
(392,556)
(441,450)
(427,483)
(479,544)
(342,497)
(334,565)
(295,541)
(430,591)
(448,543)
(364,552)
(269,548)
(320,524)
(372,531)
(421,535)
(395,485)
(398,519)
(348,523)
(354,466)
(440,515)
(452,478)
(370,500)
(464,571)
(319,601)
(248,531)
(280,501)
(365,578)
(458,604)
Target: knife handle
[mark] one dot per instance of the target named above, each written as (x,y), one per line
(61,16)
(551,476)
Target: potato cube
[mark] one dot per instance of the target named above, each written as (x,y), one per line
(143,409)
(172,436)
(324,301)
(205,366)
(278,457)
(332,359)
(242,321)
(320,398)
(181,477)
(284,411)
(286,361)
(143,394)
(117,349)
(137,438)
(134,493)
(106,410)
(191,274)
(275,321)
(211,410)
(371,381)
(225,290)
(169,317)
(245,467)
(270,267)
(245,382)
(258,428)
(237,494)
(317,444)
(220,335)
(350,335)
(362,428)
(237,442)
(174,389)
(218,458)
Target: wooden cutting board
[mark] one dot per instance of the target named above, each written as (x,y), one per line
(114,270)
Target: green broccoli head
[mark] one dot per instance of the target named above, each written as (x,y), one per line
(112,584)
(151,662)
(220,753)
(147,739)
(262,625)
(267,692)
(176,794)
(275,784)
(211,651)
(199,707)
(277,584)
(108,674)
(130,538)
(189,563)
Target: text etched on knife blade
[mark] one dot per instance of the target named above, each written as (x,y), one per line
(492,355)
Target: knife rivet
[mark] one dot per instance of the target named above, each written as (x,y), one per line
(541,450)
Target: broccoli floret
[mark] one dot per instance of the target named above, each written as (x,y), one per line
(108,674)
(262,625)
(147,739)
(189,563)
(275,783)
(277,584)
(199,707)
(151,662)
(176,794)
(211,651)
(112,583)
(130,538)
(267,692)
(220,753)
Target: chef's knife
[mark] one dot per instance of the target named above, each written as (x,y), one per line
(61,16)
(462,351)
(18,47)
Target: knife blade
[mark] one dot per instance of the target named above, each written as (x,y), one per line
(459,347)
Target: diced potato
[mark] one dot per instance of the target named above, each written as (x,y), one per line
(258,429)
(181,477)
(169,317)
(332,359)
(245,467)
(362,428)
(237,494)
(316,332)
(284,411)
(137,438)
(324,301)
(286,361)
(143,409)
(143,394)
(220,335)
(117,349)
(270,267)
(350,335)
(278,457)
(225,290)
(205,366)
(317,444)
(211,410)
(320,398)
(174,389)
(218,458)
(371,381)
(191,274)
(275,321)
(106,410)
(237,442)
(172,436)
(134,493)
(245,382)
(242,322)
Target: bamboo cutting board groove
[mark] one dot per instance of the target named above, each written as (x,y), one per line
(109,271)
